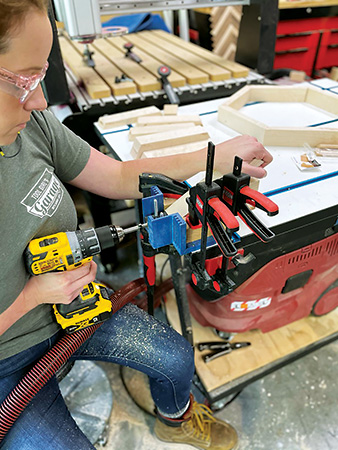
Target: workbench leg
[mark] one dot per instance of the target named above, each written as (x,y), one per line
(179,281)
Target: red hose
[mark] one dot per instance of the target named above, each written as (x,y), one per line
(46,367)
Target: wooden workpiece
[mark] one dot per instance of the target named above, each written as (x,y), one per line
(162,120)
(128,117)
(237,70)
(230,115)
(167,139)
(144,80)
(93,83)
(170,110)
(265,349)
(174,150)
(142,131)
(214,72)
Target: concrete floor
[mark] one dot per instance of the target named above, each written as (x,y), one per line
(294,408)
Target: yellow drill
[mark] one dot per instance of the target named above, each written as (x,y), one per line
(70,250)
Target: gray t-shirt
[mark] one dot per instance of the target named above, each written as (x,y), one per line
(34,203)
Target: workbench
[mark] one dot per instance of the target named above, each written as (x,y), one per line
(304,198)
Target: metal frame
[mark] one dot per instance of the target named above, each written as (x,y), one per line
(131,6)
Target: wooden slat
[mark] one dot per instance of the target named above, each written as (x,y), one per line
(143,131)
(93,83)
(167,139)
(144,80)
(151,121)
(237,70)
(127,117)
(215,72)
(148,62)
(108,71)
(190,73)
(174,150)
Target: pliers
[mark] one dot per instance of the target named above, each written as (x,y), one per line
(220,348)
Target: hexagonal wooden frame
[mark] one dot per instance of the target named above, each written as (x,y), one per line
(229,115)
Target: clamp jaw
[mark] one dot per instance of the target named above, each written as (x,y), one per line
(128,46)
(215,205)
(164,72)
(237,194)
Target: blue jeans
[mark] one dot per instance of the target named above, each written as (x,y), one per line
(130,338)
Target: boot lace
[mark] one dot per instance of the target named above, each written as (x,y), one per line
(199,424)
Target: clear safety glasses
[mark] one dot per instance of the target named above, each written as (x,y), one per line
(20,86)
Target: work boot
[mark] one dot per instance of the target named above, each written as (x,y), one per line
(199,428)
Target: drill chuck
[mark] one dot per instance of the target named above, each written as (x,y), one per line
(109,236)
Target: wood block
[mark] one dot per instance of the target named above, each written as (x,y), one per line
(297,75)
(168,139)
(185,148)
(142,131)
(115,120)
(148,121)
(170,110)
(334,73)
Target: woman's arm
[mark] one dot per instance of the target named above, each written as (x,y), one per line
(113,179)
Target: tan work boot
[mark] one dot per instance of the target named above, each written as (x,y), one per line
(197,427)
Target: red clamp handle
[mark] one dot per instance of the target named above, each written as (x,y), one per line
(260,200)
(221,211)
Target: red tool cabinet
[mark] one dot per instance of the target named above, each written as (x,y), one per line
(307,44)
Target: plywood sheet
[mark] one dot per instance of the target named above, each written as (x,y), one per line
(266,348)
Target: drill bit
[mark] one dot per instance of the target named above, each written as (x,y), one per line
(135,228)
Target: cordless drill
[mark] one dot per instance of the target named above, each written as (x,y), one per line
(70,250)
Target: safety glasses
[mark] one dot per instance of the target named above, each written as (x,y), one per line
(20,86)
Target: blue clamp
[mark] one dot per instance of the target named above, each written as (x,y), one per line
(148,203)
(166,230)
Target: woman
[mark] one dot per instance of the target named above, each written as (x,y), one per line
(39,155)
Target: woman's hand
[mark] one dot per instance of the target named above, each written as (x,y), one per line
(247,148)
(58,287)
